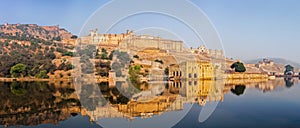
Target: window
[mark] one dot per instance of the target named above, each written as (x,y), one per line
(190,75)
(195,83)
(195,75)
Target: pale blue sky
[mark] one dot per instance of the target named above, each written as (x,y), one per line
(249,28)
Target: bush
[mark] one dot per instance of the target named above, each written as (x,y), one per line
(60,50)
(136,56)
(18,70)
(42,74)
(68,54)
(47,43)
(50,55)
(159,61)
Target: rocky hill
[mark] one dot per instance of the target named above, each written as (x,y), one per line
(30,31)
(40,51)
(279,61)
(276,65)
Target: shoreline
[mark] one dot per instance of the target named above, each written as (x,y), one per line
(31,79)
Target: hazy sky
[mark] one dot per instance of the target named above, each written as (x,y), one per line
(249,29)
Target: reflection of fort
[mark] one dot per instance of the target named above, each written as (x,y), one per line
(200,91)
(53,103)
(176,94)
(172,99)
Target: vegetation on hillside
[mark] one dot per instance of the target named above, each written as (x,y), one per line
(25,54)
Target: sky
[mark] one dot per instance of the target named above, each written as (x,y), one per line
(249,29)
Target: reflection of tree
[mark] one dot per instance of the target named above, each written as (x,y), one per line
(40,98)
(90,97)
(113,95)
(288,82)
(119,100)
(238,90)
(123,60)
(42,104)
(17,89)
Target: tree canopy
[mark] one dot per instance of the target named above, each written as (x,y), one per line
(238,67)
(18,70)
(288,68)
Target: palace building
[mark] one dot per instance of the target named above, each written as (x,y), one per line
(192,70)
(129,40)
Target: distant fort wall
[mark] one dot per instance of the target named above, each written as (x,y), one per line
(129,40)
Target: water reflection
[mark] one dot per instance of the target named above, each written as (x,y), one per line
(34,103)
(238,90)
(289,82)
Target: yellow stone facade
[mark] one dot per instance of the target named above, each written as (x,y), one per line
(192,70)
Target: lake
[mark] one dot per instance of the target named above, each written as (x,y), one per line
(231,103)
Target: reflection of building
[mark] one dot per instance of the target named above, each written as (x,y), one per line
(200,91)
(138,109)
(192,70)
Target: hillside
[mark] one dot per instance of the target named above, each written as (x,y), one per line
(31,31)
(279,61)
(277,65)
(39,51)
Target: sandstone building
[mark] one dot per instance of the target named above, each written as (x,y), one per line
(202,50)
(129,40)
(192,70)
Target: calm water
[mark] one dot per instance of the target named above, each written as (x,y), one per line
(253,103)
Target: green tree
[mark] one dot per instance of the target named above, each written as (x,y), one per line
(42,74)
(68,54)
(238,67)
(134,73)
(18,70)
(104,53)
(288,68)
